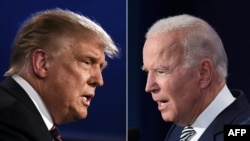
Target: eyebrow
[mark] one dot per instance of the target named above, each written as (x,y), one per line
(93,59)
(161,67)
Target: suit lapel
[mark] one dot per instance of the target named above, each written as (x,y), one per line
(18,92)
(13,88)
(215,129)
(174,133)
(227,116)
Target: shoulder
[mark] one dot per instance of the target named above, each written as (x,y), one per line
(19,122)
(237,112)
(242,105)
(14,114)
(22,124)
(6,99)
(15,105)
(8,102)
(18,118)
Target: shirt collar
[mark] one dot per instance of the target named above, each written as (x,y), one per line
(221,101)
(36,99)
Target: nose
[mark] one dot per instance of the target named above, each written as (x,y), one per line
(96,79)
(150,82)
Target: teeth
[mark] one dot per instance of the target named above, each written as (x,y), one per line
(85,98)
(163,102)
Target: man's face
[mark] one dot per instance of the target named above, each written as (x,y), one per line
(174,87)
(73,75)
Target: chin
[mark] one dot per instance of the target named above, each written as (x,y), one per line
(166,117)
(83,115)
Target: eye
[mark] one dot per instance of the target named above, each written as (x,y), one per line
(162,71)
(87,62)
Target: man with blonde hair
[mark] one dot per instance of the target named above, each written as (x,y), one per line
(56,64)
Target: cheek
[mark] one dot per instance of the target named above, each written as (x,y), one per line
(186,82)
(68,82)
(186,93)
(74,75)
(179,88)
(76,82)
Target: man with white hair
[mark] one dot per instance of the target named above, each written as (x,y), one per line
(186,67)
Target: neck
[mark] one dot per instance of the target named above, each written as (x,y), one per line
(207,96)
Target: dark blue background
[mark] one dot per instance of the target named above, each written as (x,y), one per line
(231,19)
(107,114)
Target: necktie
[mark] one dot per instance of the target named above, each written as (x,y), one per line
(55,133)
(187,133)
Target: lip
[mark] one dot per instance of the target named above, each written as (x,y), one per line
(86,99)
(162,105)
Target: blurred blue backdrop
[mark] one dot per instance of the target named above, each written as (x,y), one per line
(231,19)
(106,120)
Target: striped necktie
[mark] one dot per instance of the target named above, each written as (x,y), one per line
(55,133)
(187,133)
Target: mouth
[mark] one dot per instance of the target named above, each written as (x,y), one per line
(162,104)
(86,99)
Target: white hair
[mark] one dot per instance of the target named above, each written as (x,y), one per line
(200,40)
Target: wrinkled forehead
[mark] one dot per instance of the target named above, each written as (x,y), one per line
(163,46)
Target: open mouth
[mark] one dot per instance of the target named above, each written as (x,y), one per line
(161,103)
(86,99)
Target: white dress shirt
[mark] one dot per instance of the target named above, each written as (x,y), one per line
(37,100)
(221,101)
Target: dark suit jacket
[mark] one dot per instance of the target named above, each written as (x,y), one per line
(236,113)
(19,118)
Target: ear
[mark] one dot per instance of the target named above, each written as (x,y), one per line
(206,71)
(40,63)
